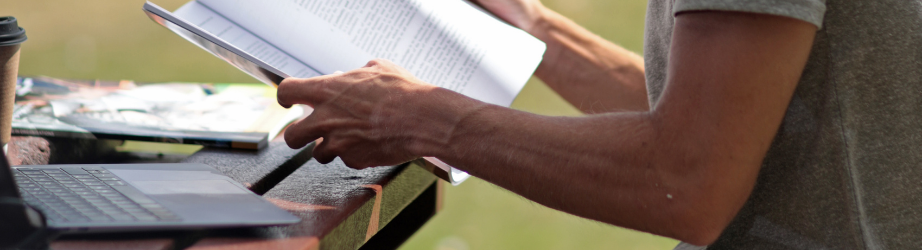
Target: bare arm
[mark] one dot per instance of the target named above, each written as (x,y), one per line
(591,73)
(682,169)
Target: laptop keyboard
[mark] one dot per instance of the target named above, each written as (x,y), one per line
(89,194)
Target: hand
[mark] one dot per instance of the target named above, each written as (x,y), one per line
(373,116)
(520,13)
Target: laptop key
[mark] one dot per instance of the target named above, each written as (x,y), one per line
(71,199)
(116,183)
(32,172)
(121,218)
(100,203)
(133,194)
(28,185)
(74,171)
(115,213)
(40,193)
(72,185)
(106,191)
(82,206)
(146,218)
(124,203)
(42,179)
(100,218)
(64,179)
(95,198)
(87,193)
(116,194)
(119,199)
(70,181)
(91,213)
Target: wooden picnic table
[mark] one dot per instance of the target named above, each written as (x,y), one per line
(339,207)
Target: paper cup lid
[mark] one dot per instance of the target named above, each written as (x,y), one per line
(10,32)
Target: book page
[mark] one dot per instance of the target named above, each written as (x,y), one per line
(206,19)
(447,43)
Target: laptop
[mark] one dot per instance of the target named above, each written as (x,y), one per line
(132,197)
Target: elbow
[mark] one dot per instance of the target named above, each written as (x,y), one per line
(703,216)
(701,213)
(700,236)
(699,229)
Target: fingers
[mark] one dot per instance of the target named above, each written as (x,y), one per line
(322,152)
(304,131)
(328,149)
(310,91)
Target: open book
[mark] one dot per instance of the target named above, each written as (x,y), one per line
(449,43)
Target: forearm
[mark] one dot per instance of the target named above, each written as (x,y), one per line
(591,73)
(613,168)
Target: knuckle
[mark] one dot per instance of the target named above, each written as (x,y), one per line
(378,62)
(337,147)
(373,62)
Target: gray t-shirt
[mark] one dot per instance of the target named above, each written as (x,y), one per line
(845,169)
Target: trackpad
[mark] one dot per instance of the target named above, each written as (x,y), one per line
(203,187)
(205,201)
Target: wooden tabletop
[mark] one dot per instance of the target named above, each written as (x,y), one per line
(339,207)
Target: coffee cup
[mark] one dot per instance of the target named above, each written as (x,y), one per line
(11,36)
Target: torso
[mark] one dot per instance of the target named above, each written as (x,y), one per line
(844,170)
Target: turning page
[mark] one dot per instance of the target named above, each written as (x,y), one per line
(448,43)
(215,24)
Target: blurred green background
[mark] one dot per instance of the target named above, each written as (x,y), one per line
(114,40)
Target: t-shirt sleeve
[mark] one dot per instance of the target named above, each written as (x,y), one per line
(810,11)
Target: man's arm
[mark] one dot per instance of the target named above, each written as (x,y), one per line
(589,72)
(682,169)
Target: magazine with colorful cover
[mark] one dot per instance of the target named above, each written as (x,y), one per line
(216,115)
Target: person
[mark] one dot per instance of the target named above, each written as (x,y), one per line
(760,124)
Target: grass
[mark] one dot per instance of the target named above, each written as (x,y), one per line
(113,40)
